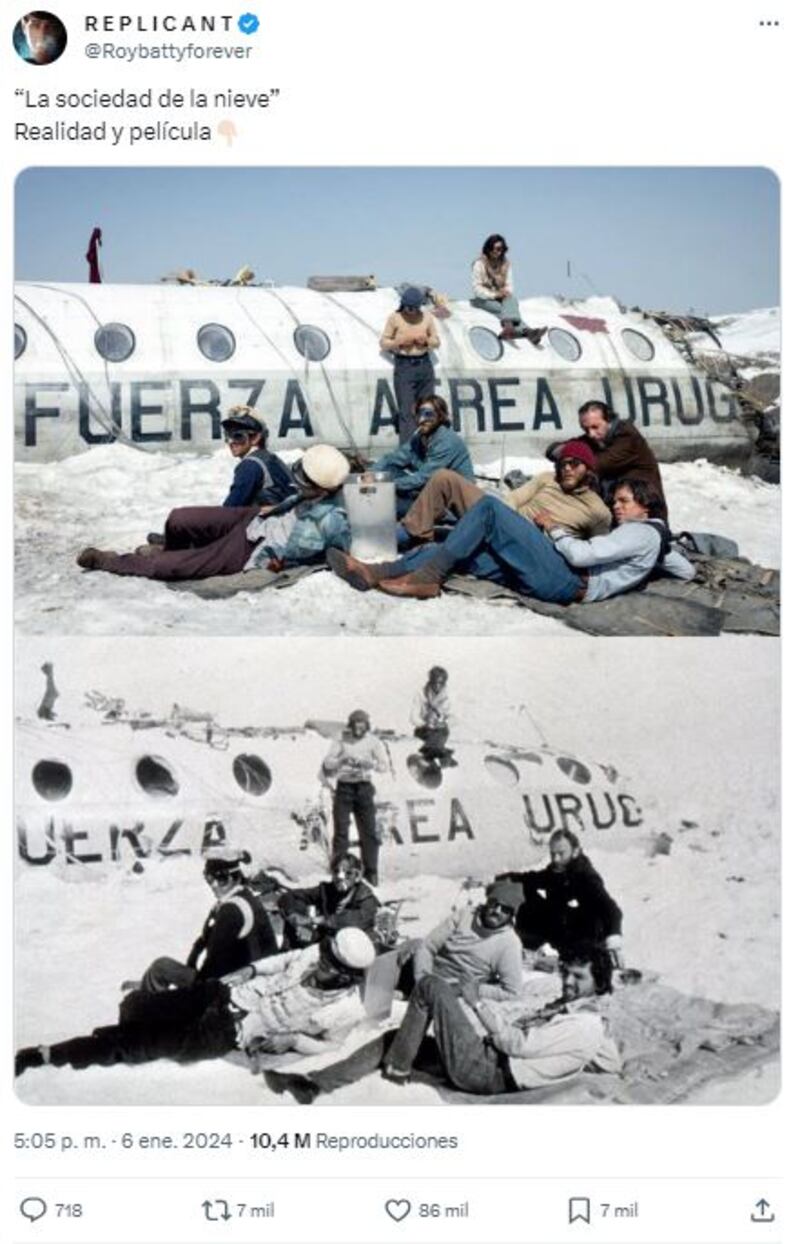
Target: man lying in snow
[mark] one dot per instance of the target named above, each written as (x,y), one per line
(287,1002)
(219,540)
(482,1050)
(537,559)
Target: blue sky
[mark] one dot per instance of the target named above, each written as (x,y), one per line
(678,239)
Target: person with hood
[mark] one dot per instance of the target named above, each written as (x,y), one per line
(540,559)
(237,930)
(286,1002)
(409,335)
(433,447)
(319,911)
(221,540)
(566,903)
(493,291)
(349,766)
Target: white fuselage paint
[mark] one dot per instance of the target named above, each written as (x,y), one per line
(168,396)
(81,801)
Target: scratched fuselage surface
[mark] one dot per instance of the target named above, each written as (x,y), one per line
(310,363)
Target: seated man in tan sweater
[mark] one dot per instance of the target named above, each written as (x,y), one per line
(568,495)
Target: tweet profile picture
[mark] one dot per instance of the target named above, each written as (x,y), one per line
(40,37)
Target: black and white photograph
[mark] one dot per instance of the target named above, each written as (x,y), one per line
(397,872)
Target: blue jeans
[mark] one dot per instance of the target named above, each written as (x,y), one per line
(471,1063)
(493,542)
(503,308)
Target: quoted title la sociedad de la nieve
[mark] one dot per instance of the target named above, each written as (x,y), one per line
(157,23)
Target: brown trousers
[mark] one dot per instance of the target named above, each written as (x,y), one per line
(446,491)
(199,542)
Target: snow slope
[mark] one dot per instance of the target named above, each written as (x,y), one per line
(701,746)
(114,495)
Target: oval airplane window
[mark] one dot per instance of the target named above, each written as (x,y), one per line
(425,772)
(20,340)
(502,770)
(640,346)
(486,343)
(252,774)
(155,777)
(52,779)
(114,342)
(574,769)
(216,342)
(565,344)
(312,343)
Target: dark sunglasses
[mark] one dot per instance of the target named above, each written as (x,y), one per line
(237,438)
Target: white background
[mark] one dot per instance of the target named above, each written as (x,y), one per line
(510,83)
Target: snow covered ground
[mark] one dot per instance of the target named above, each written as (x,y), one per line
(699,744)
(114,495)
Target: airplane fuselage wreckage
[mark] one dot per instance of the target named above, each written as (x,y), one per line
(128,793)
(157,366)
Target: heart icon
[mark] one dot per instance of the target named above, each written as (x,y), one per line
(398,1210)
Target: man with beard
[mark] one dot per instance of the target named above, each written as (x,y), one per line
(346,901)
(569,494)
(491,543)
(433,447)
(566,903)
(483,1051)
(620,450)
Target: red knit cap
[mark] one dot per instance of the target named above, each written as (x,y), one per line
(580,451)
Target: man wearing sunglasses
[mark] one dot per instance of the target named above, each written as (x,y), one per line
(223,540)
(260,477)
(433,447)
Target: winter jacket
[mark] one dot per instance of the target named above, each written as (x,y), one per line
(572,906)
(355,910)
(260,478)
(625,454)
(237,932)
(411,465)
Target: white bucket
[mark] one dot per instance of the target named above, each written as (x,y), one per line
(371,512)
